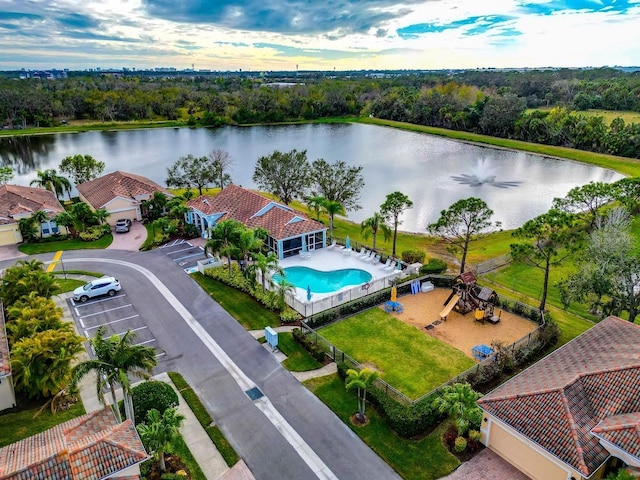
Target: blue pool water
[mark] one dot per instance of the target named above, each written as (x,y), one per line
(324,282)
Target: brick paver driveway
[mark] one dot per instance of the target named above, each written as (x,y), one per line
(486,465)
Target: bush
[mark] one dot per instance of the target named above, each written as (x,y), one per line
(95,232)
(153,394)
(413,256)
(460,445)
(474,435)
(316,351)
(433,266)
(288,315)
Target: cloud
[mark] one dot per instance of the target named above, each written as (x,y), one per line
(303,17)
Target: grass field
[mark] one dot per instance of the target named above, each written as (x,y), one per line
(425,458)
(609,115)
(409,360)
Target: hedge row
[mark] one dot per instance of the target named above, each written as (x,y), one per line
(313,348)
(226,450)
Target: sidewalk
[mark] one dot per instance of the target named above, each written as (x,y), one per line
(202,448)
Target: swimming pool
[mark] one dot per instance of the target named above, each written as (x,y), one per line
(324,282)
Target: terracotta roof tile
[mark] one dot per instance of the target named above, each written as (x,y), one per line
(623,431)
(102,190)
(243,205)
(16,200)
(91,447)
(560,399)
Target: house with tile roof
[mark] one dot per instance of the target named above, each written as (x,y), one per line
(7,393)
(119,193)
(289,230)
(93,446)
(17,202)
(575,414)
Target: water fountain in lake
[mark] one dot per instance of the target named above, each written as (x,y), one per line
(482,173)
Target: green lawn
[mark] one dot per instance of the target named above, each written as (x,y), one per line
(409,360)
(18,423)
(244,308)
(71,244)
(298,359)
(425,459)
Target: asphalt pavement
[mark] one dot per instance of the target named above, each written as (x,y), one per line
(279,428)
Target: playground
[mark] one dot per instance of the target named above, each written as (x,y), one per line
(460,331)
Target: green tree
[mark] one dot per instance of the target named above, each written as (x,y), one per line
(161,433)
(6,175)
(338,182)
(285,175)
(264,264)
(315,204)
(464,221)
(222,162)
(222,239)
(67,220)
(39,217)
(546,241)
(116,358)
(370,226)
(627,192)
(82,216)
(101,215)
(53,182)
(284,288)
(192,172)
(586,200)
(360,381)
(458,401)
(41,363)
(32,314)
(24,278)
(332,208)
(393,206)
(81,168)
(28,230)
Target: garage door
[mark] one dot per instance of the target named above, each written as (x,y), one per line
(7,237)
(522,456)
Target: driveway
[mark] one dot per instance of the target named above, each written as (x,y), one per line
(132,240)
(486,464)
(9,252)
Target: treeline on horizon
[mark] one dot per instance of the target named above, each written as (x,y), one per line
(495,103)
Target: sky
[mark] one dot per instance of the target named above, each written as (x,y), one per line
(272,35)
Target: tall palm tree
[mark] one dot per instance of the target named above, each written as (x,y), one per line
(315,204)
(360,380)
(333,208)
(160,433)
(284,288)
(458,401)
(50,180)
(370,226)
(115,359)
(264,264)
(223,239)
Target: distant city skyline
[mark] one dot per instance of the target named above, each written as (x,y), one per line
(285,35)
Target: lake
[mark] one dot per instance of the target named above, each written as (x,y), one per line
(434,172)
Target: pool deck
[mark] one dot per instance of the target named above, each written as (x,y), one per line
(334,258)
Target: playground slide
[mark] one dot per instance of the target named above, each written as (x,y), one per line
(447,309)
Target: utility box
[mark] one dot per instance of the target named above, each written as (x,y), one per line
(272,337)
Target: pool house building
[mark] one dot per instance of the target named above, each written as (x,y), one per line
(289,231)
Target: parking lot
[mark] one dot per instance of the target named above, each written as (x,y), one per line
(118,315)
(184,254)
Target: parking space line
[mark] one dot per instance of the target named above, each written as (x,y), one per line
(110,323)
(187,256)
(105,311)
(86,304)
(178,251)
(131,330)
(146,341)
(161,354)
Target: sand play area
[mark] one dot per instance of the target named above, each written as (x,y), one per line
(460,331)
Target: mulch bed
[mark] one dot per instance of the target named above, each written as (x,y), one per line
(173,463)
(471,451)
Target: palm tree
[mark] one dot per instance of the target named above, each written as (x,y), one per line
(284,288)
(101,215)
(360,380)
(38,218)
(316,204)
(115,359)
(248,242)
(82,215)
(50,180)
(264,264)
(160,434)
(371,225)
(223,239)
(458,401)
(333,207)
(28,230)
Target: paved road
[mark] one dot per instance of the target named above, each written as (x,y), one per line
(286,434)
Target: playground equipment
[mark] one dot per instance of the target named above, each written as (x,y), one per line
(467,296)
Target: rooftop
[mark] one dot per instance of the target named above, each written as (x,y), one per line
(18,200)
(100,191)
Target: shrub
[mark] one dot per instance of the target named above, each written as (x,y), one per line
(474,435)
(153,394)
(460,445)
(433,266)
(413,256)
(95,232)
(289,316)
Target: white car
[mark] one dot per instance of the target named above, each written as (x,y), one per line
(95,288)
